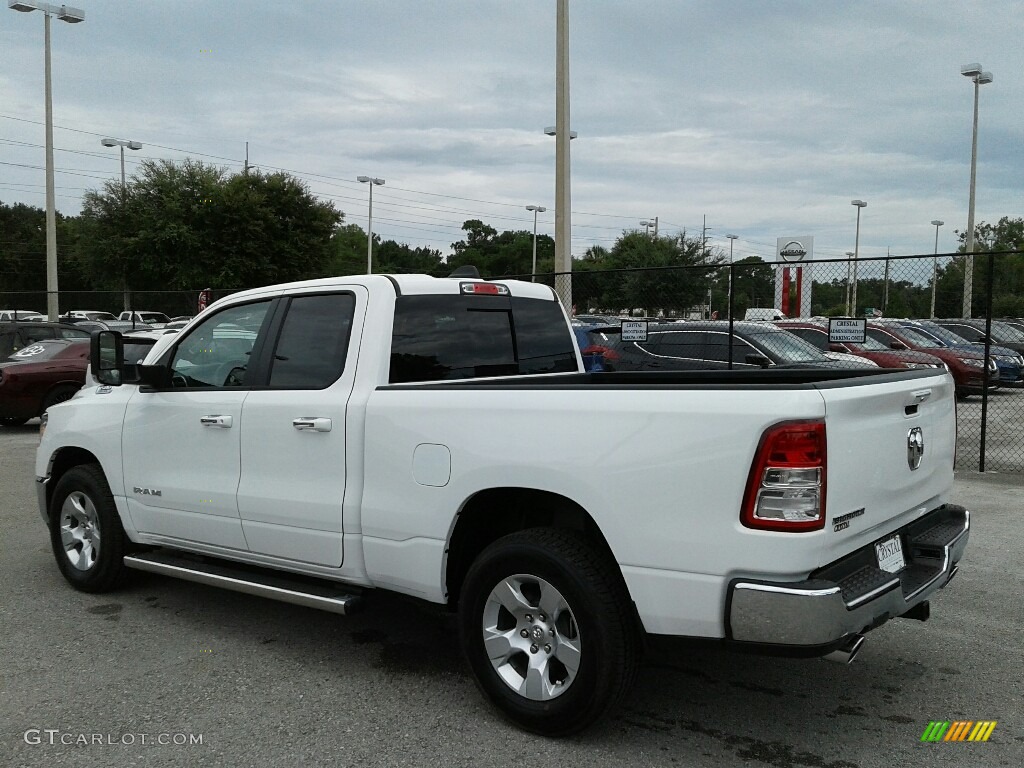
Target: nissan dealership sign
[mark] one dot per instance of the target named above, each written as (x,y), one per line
(793,251)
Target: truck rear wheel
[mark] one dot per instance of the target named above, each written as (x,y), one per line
(548,630)
(85,530)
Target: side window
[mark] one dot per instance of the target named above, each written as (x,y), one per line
(451,337)
(311,350)
(72,333)
(38,332)
(216,352)
(685,344)
(543,344)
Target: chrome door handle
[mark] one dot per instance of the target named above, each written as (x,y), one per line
(215,421)
(314,424)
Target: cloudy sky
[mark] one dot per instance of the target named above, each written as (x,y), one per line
(762,119)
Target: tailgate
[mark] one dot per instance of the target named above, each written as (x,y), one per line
(878,477)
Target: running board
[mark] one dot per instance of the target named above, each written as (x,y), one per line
(324,595)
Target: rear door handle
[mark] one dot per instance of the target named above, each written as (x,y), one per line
(313,424)
(216,421)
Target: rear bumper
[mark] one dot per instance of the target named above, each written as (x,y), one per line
(851,595)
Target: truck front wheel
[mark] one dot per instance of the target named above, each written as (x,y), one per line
(85,530)
(548,630)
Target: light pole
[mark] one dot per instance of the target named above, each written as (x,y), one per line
(536,209)
(71,16)
(732,240)
(563,184)
(647,223)
(935,264)
(122,145)
(124,189)
(856,255)
(369,221)
(979,78)
(849,268)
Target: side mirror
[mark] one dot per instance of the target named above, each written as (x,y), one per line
(836,348)
(761,360)
(106,357)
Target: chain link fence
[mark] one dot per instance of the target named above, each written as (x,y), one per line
(727,316)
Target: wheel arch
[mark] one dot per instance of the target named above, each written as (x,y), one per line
(492,513)
(62,461)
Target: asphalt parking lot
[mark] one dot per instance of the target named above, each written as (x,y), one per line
(261,683)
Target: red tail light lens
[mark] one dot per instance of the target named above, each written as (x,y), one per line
(786,487)
(597,349)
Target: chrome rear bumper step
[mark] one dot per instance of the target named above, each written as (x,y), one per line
(321,594)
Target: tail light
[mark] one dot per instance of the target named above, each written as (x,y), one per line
(597,349)
(786,487)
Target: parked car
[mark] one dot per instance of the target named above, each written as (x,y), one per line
(23,315)
(704,345)
(1009,362)
(47,372)
(88,314)
(764,313)
(17,335)
(1003,334)
(154,319)
(815,331)
(110,323)
(967,366)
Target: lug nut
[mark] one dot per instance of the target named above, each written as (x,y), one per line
(551,632)
(547,649)
(529,617)
(534,648)
(524,633)
(542,617)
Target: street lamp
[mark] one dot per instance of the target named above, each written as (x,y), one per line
(369,221)
(71,16)
(979,78)
(647,223)
(849,268)
(122,145)
(536,209)
(124,189)
(856,254)
(935,264)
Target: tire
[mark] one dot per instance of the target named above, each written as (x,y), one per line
(59,394)
(12,421)
(85,530)
(580,651)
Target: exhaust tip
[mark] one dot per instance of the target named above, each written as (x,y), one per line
(847,652)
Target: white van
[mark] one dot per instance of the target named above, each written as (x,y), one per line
(764,313)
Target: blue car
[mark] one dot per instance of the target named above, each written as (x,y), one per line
(1009,362)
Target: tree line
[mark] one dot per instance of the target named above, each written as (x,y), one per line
(188,225)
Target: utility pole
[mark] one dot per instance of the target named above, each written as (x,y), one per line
(563,219)
(885,289)
(246,169)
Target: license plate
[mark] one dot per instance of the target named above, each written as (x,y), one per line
(890,554)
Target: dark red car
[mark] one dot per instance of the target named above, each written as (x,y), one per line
(967,367)
(816,332)
(42,374)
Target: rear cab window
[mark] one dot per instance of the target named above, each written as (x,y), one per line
(437,337)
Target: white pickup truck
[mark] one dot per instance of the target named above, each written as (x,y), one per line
(438,437)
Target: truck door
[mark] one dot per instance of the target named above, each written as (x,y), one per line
(181,443)
(294,430)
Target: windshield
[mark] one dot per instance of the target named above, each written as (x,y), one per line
(785,346)
(1006,332)
(919,339)
(948,337)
